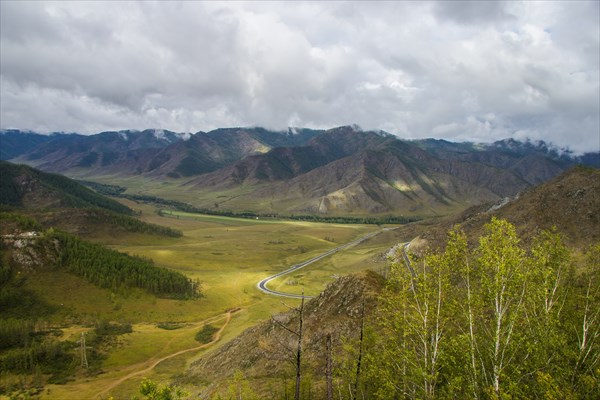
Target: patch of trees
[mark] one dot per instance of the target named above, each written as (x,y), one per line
(391,219)
(154,391)
(27,346)
(10,194)
(81,197)
(134,225)
(131,224)
(106,328)
(22,222)
(185,207)
(99,341)
(16,301)
(498,321)
(206,334)
(40,357)
(111,269)
(105,189)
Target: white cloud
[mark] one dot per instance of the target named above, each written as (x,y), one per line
(414,69)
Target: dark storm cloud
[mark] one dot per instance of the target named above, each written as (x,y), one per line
(473,12)
(458,70)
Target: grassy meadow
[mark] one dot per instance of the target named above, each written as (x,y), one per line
(229,256)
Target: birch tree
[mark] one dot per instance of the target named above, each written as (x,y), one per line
(585,374)
(467,316)
(496,321)
(417,311)
(503,283)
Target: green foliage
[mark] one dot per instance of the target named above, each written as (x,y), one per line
(15,332)
(16,302)
(132,224)
(9,193)
(23,222)
(72,193)
(170,326)
(153,391)
(51,356)
(498,321)
(391,219)
(111,269)
(106,328)
(239,388)
(206,334)
(107,190)
(25,347)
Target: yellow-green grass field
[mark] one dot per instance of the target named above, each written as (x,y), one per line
(229,256)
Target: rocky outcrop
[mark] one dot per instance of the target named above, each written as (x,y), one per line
(263,350)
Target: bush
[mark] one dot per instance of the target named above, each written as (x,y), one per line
(205,335)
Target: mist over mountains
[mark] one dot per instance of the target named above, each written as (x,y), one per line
(343,170)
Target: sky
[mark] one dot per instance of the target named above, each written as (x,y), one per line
(457,70)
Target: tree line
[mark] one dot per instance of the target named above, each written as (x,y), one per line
(132,224)
(118,191)
(113,270)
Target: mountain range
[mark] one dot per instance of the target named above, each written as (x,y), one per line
(340,171)
(316,164)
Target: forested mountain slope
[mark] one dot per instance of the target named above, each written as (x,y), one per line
(25,187)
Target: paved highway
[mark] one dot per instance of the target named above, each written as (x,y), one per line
(262,285)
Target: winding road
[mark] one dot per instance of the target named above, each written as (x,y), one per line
(262,285)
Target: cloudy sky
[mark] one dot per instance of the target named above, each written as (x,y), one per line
(469,70)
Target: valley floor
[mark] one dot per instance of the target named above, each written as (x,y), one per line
(229,256)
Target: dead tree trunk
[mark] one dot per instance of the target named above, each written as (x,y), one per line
(360,350)
(299,350)
(328,367)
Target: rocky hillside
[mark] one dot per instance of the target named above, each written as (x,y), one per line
(283,163)
(106,152)
(570,202)
(264,350)
(155,152)
(344,171)
(207,152)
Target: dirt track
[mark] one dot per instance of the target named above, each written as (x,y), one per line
(153,363)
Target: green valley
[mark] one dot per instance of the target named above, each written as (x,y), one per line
(227,255)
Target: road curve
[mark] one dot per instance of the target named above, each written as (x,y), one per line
(262,285)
